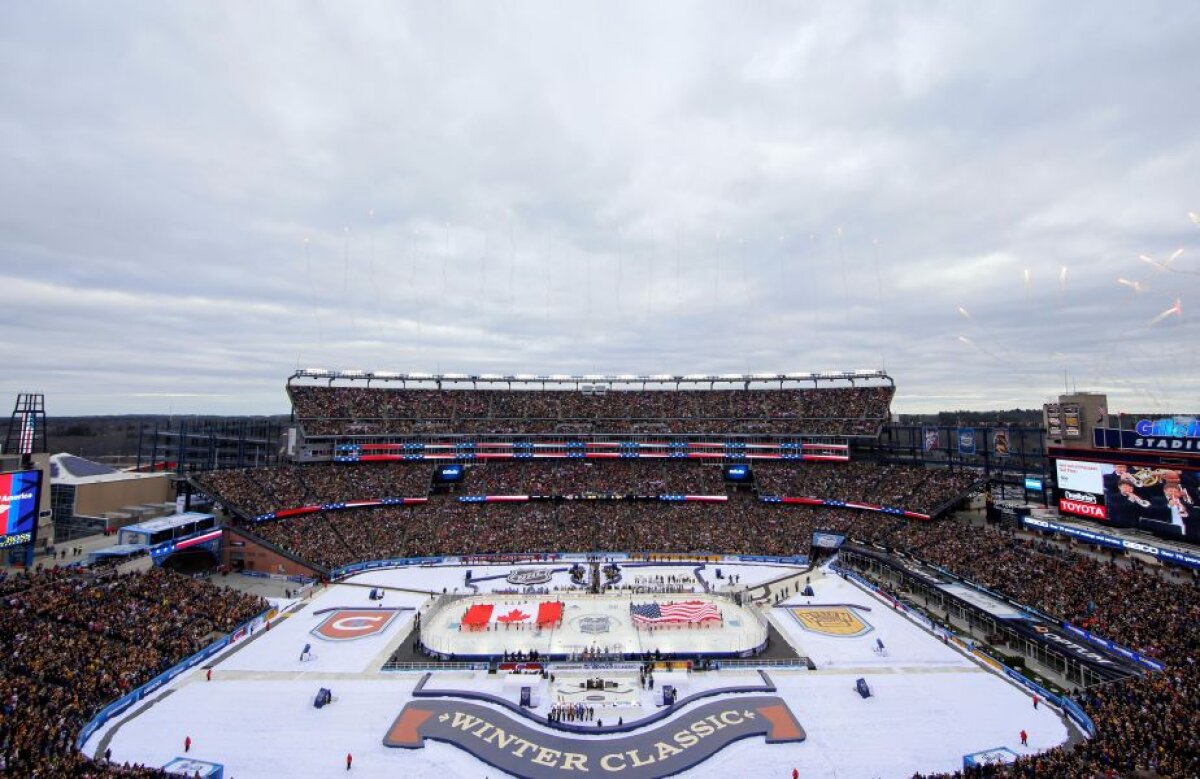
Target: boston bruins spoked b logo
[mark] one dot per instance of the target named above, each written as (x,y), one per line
(349,624)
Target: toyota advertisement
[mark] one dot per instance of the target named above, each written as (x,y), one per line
(1163,501)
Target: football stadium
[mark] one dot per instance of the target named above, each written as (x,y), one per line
(644,575)
(712,390)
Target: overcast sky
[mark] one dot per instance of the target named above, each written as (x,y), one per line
(198,198)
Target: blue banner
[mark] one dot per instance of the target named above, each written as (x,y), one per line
(966,440)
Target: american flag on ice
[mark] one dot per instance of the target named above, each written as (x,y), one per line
(649,614)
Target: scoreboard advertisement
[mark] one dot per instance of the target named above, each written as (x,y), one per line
(20,492)
(1163,501)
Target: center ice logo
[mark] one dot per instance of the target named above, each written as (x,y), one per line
(349,624)
(511,745)
(527,577)
(838,621)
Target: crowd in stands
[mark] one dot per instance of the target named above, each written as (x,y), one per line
(254,491)
(740,526)
(1146,726)
(851,411)
(73,641)
(910,487)
(575,477)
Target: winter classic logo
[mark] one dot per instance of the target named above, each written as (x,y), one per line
(528,577)
(349,624)
(509,744)
(837,621)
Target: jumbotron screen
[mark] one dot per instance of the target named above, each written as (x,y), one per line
(1163,501)
(20,493)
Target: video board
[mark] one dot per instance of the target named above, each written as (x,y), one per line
(1163,501)
(20,495)
(737,472)
(827,539)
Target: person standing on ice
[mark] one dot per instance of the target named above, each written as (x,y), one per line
(349,760)
(1024,739)
(187,743)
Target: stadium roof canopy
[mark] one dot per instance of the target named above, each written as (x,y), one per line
(167,523)
(70,469)
(558,378)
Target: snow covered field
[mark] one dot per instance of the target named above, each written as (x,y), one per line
(930,704)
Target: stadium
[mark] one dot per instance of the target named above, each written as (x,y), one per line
(482,575)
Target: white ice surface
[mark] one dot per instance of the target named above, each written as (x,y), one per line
(931,705)
(906,644)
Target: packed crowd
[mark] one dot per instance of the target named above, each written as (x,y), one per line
(741,525)
(910,487)
(1146,726)
(360,410)
(72,641)
(254,491)
(575,477)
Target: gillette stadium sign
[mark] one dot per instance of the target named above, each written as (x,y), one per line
(1165,434)
(1168,428)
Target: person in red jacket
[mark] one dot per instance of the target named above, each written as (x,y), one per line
(349,760)
(1024,739)
(187,743)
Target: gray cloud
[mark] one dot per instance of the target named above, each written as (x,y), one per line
(198,198)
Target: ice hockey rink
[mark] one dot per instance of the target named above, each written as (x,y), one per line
(930,703)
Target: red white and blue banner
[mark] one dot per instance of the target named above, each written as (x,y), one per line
(843,504)
(337,506)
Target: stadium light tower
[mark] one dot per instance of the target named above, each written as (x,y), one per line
(27,427)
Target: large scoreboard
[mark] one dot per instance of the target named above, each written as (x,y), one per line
(20,496)
(1162,500)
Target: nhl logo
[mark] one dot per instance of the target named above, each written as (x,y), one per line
(594,625)
(527,577)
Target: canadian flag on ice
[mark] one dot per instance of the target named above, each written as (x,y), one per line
(515,615)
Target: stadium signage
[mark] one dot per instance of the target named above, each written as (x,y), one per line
(510,745)
(1162,553)
(1085,654)
(1079,508)
(1082,497)
(1179,438)
(1168,428)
